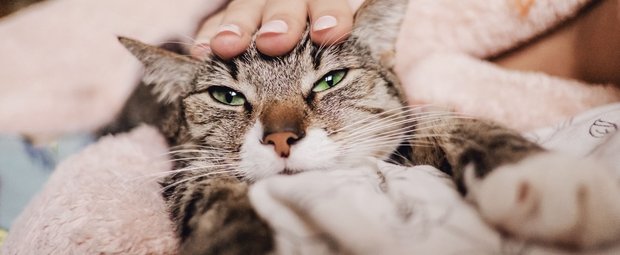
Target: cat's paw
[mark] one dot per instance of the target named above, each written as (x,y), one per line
(553,198)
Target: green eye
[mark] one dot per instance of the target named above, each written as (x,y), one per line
(329,80)
(227,96)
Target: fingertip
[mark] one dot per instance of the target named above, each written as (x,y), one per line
(228,45)
(326,34)
(331,21)
(281,42)
(275,44)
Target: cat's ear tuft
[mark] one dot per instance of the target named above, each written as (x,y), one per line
(170,74)
(377,25)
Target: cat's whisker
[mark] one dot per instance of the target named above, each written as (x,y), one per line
(195,151)
(323,45)
(362,132)
(182,170)
(398,110)
(406,115)
(390,140)
(204,158)
(392,133)
(189,38)
(417,121)
(375,125)
(201,147)
(233,171)
(191,145)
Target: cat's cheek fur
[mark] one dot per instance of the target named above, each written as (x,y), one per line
(316,151)
(257,160)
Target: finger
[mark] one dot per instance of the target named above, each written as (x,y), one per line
(237,27)
(202,44)
(284,21)
(332,20)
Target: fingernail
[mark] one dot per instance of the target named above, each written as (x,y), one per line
(231,28)
(324,22)
(274,26)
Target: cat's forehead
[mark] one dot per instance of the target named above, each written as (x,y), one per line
(285,74)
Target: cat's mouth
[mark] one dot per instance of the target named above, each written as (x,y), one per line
(288,171)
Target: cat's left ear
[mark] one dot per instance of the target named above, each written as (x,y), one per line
(170,74)
(377,25)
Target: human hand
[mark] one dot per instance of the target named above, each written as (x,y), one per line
(279,25)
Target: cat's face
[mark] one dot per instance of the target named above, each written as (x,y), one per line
(317,108)
(310,110)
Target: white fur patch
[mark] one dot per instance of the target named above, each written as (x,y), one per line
(316,151)
(553,198)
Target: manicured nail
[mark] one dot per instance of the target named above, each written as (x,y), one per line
(230,28)
(324,22)
(274,26)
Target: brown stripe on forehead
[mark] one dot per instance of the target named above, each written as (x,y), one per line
(305,43)
(216,65)
(369,109)
(231,65)
(317,54)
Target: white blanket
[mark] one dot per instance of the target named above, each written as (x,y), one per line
(388,209)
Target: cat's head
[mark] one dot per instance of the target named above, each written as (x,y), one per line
(317,108)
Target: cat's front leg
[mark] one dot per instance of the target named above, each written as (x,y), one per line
(214,216)
(522,189)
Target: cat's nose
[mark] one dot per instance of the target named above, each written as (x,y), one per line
(282,142)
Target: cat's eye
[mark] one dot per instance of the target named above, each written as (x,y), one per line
(227,96)
(329,80)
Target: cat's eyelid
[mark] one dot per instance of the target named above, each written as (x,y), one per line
(208,81)
(248,92)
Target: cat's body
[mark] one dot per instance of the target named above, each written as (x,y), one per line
(317,108)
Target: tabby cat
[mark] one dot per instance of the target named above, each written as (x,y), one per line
(323,107)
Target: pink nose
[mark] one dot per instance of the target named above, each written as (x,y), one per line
(281,142)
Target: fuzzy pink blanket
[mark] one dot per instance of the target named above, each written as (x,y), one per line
(63,71)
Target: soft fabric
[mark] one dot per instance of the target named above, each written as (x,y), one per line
(62,72)
(439,54)
(104,200)
(26,167)
(522,100)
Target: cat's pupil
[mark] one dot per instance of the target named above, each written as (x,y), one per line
(229,96)
(329,80)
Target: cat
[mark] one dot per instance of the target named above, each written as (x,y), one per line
(322,107)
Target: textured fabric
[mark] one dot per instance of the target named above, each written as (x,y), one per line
(104,200)
(25,168)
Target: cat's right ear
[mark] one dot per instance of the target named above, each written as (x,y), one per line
(377,24)
(170,74)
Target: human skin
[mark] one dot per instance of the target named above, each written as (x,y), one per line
(278,24)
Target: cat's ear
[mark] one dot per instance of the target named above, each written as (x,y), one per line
(170,74)
(377,25)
